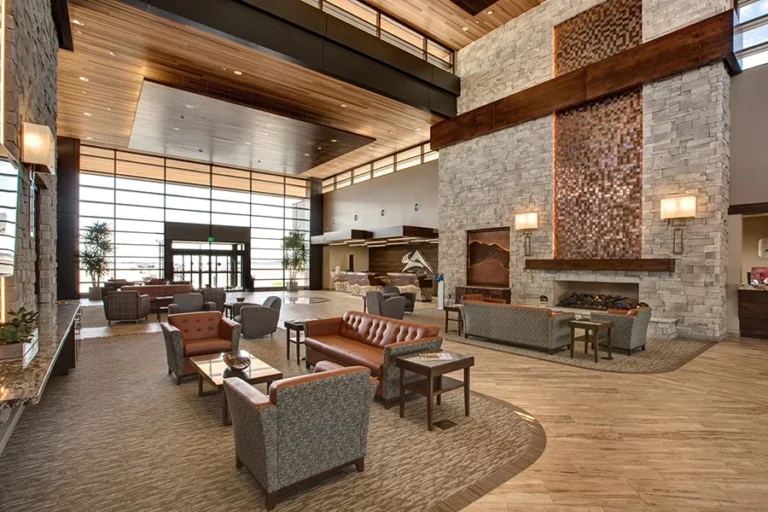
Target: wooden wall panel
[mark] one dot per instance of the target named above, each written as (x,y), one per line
(390,258)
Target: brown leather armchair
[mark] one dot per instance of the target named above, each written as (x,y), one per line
(196,334)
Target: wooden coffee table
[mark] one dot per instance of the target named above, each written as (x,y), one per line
(435,383)
(591,335)
(210,368)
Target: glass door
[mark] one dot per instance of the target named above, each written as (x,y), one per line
(209,265)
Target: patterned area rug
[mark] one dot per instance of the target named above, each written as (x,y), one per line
(660,356)
(117,434)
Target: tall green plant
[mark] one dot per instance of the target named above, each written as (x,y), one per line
(94,257)
(294,253)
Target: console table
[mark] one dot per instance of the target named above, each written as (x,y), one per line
(487,291)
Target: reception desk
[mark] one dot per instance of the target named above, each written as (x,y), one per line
(359,283)
(753,311)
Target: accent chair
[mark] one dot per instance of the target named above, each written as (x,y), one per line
(630,327)
(258,319)
(195,334)
(215,295)
(379,305)
(189,303)
(125,306)
(394,291)
(308,425)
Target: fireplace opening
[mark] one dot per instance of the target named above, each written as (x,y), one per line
(596,296)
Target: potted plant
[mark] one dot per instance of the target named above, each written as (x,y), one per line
(294,257)
(18,337)
(94,258)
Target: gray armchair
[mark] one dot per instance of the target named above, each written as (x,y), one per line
(308,425)
(126,306)
(392,307)
(258,319)
(215,295)
(394,291)
(190,303)
(630,328)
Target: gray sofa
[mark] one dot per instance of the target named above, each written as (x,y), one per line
(258,319)
(308,425)
(531,326)
(190,303)
(630,328)
(125,306)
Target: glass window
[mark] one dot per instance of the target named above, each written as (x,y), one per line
(124,237)
(187,203)
(97,209)
(98,195)
(138,226)
(93,180)
(751,10)
(228,195)
(267,199)
(267,222)
(231,207)
(266,233)
(138,213)
(126,197)
(267,211)
(155,187)
(751,35)
(222,219)
(186,191)
(190,217)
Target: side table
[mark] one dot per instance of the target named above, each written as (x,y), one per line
(299,326)
(459,319)
(162,306)
(591,335)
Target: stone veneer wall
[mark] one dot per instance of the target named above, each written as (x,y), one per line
(31,71)
(485,181)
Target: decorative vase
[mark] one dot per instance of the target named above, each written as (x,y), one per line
(94,293)
(293,286)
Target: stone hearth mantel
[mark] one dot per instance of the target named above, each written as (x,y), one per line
(632,265)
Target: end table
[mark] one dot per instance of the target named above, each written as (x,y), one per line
(591,335)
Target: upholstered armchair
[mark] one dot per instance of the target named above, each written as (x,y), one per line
(394,291)
(308,425)
(195,334)
(189,303)
(125,306)
(392,307)
(258,319)
(216,295)
(630,327)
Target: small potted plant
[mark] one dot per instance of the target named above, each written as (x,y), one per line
(294,257)
(18,338)
(94,258)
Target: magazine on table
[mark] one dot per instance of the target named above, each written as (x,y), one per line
(436,356)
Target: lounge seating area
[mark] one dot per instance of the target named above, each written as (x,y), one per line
(258,319)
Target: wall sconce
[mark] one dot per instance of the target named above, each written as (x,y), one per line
(527,222)
(38,146)
(683,207)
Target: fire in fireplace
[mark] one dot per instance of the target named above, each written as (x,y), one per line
(599,302)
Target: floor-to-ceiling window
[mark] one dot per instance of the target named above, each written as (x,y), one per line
(135,194)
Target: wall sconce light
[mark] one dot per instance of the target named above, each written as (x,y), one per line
(683,207)
(38,146)
(527,222)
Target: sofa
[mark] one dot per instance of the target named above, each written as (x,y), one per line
(161,290)
(125,306)
(305,427)
(190,303)
(381,305)
(195,334)
(630,327)
(479,297)
(258,319)
(360,339)
(530,326)
(394,291)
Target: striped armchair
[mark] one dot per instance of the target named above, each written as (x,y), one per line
(125,306)
(308,425)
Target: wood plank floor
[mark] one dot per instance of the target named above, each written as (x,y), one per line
(692,440)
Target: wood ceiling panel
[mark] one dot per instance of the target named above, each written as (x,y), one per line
(444,21)
(118,46)
(187,125)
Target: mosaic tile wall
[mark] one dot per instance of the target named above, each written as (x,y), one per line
(598,162)
(598,179)
(598,33)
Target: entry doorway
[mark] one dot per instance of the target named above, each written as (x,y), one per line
(214,265)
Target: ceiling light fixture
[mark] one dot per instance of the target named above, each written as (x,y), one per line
(189,105)
(306,154)
(334,140)
(269,125)
(490,12)
(78,23)
(89,138)
(237,72)
(87,114)
(343,105)
(176,128)
(84,79)
(248,143)
(112,53)
(109,109)
(465,29)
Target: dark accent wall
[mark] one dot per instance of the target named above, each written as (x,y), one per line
(390,258)
(301,34)
(316,214)
(599,145)
(67,213)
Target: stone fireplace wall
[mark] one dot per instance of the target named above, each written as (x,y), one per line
(485,181)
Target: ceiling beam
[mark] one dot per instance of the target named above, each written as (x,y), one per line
(60,12)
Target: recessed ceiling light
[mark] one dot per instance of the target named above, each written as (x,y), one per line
(269,125)
(306,154)
(343,105)
(188,105)
(84,79)
(237,72)
(418,129)
(112,53)
(78,23)
(167,145)
(490,12)
(465,29)
(247,143)
(109,109)
(78,31)
(87,114)
(334,140)
(319,148)
(176,128)
(89,138)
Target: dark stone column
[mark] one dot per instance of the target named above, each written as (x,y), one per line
(316,213)
(67,213)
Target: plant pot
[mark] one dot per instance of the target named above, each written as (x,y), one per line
(293,286)
(94,293)
(23,351)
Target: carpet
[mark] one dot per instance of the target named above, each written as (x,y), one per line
(659,356)
(117,434)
